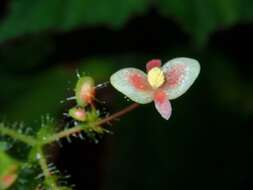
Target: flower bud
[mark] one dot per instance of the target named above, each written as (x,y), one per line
(78,114)
(85,91)
(8,170)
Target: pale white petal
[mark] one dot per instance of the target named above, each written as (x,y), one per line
(133,83)
(180,74)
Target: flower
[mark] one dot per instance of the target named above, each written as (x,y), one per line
(160,84)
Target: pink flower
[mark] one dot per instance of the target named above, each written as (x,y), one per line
(160,84)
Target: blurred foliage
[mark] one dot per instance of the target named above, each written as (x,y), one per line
(29,16)
(199,18)
(207,144)
(8,170)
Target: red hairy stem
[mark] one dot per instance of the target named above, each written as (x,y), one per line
(78,129)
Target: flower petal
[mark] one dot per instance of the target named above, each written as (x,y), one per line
(162,104)
(153,63)
(180,74)
(133,83)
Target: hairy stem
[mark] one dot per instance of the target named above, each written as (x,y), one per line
(78,129)
(16,135)
(118,114)
(43,163)
(46,172)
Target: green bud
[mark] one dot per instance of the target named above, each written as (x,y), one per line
(8,170)
(78,114)
(85,91)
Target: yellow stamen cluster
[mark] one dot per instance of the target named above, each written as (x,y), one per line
(156,77)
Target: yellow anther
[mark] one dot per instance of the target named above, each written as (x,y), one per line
(156,77)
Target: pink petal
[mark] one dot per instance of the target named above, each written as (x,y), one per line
(153,63)
(139,81)
(162,104)
(174,76)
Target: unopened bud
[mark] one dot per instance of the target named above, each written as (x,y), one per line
(78,114)
(85,91)
(8,170)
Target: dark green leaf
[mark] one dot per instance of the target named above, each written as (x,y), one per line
(33,16)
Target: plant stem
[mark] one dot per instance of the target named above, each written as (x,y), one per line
(16,135)
(118,114)
(43,163)
(78,129)
(49,180)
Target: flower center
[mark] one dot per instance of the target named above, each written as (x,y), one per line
(156,77)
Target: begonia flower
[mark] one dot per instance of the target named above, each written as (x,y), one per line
(160,84)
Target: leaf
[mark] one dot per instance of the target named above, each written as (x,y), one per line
(111,12)
(18,57)
(33,16)
(28,16)
(198,18)
(43,96)
(201,18)
(3,146)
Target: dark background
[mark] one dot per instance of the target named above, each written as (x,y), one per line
(207,143)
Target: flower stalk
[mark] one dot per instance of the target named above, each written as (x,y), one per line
(79,128)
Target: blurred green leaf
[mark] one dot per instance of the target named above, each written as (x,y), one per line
(111,12)
(28,16)
(42,92)
(19,58)
(228,86)
(200,18)
(46,91)
(33,16)
(98,69)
